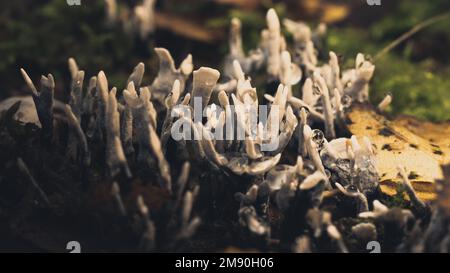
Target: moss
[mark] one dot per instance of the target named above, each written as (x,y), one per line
(421,89)
(46,37)
(397,200)
(417,90)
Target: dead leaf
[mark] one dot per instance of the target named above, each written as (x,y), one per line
(244,4)
(332,13)
(421,147)
(327,11)
(311,7)
(438,134)
(186,28)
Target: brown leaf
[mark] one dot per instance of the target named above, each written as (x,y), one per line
(311,7)
(186,28)
(421,147)
(332,13)
(244,4)
(327,11)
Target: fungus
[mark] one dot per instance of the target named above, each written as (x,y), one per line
(43,101)
(249,219)
(353,192)
(254,59)
(387,100)
(334,234)
(357,80)
(365,232)
(144,15)
(204,80)
(115,156)
(274,44)
(290,74)
(65,113)
(111,11)
(321,86)
(115,193)
(418,204)
(302,245)
(147,242)
(313,153)
(167,74)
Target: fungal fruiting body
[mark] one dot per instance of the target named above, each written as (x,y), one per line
(282,162)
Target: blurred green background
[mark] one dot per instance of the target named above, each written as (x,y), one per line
(40,35)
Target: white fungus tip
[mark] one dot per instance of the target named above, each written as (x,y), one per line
(272,20)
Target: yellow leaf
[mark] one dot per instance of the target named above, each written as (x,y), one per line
(421,147)
(332,13)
